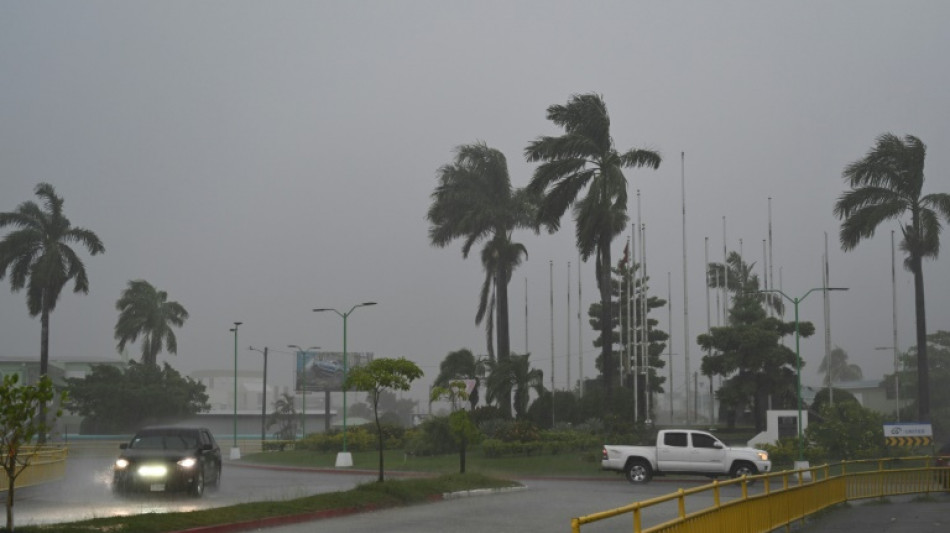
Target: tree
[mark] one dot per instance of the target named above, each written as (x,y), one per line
(514,376)
(475,201)
(585,156)
(938,357)
(21,420)
(887,184)
(835,367)
(460,365)
(146,311)
(377,376)
(39,257)
(115,401)
(629,291)
(461,427)
(747,350)
(284,417)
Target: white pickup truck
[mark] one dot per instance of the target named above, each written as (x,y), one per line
(684,451)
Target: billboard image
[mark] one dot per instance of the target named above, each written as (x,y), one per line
(323,371)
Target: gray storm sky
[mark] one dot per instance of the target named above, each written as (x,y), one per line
(259,159)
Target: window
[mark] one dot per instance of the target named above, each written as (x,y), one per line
(675,439)
(701,440)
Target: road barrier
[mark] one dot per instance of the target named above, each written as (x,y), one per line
(44,465)
(767,502)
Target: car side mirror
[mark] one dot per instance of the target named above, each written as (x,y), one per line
(124,445)
(717,445)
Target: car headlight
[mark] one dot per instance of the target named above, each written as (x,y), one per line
(187,462)
(764,456)
(121,463)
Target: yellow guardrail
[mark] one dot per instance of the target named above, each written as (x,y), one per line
(784,498)
(44,465)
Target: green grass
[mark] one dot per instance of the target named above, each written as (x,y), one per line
(572,464)
(392,493)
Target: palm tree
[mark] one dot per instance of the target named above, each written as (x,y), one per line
(516,375)
(460,365)
(146,311)
(39,257)
(585,156)
(475,201)
(739,278)
(887,184)
(835,367)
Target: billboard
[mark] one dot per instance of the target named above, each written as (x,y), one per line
(323,371)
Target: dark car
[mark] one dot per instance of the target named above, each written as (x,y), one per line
(168,459)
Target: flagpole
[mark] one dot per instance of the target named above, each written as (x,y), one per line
(686,341)
(567,315)
(551,280)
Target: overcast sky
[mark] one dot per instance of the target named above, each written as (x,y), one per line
(259,159)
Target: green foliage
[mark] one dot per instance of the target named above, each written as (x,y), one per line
(432,437)
(511,430)
(22,419)
(284,417)
(358,439)
(145,311)
(784,454)
(114,401)
(847,431)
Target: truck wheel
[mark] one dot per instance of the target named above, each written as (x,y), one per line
(741,468)
(639,472)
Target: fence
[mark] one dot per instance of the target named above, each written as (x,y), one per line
(44,466)
(771,501)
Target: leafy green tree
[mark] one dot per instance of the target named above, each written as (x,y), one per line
(116,401)
(938,350)
(380,375)
(628,293)
(746,352)
(847,431)
(516,377)
(461,427)
(475,201)
(835,367)
(145,311)
(887,184)
(39,257)
(398,410)
(284,417)
(460,365)
(21,420)
(585,156)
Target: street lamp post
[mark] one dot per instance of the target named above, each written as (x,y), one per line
(235,451)
(303,387)
(263,394)
(344,458)
(798,360)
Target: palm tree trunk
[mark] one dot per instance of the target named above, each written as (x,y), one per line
(923,365)
(504,338)
(44,363)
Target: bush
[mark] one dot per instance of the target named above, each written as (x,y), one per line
(510,430)
(848,431)
(358,439)
(432,437)
(494,448)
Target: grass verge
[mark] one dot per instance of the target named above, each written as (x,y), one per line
(391,493)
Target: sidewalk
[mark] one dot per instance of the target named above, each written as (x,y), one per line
(897,514)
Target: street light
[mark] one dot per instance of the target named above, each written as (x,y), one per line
(344,458)
(303,386)
(798,357)
(263,393)
(235,451)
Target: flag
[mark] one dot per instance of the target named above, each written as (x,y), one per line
(626,254)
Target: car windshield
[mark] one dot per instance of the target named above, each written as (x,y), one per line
(173,441)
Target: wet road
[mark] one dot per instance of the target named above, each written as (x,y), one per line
(86,492)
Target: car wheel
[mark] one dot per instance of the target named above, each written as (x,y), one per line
(198,487)
(743,469)
(639,472)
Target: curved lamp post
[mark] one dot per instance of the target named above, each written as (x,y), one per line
(344,458)
(235,451)
(798,359)
(263,393)
(303,387)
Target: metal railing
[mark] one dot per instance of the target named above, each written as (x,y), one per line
(44,465)
(768,502)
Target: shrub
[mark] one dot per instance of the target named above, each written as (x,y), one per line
(432,437)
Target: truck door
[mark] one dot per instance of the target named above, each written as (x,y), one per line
(707,453)
(672,451)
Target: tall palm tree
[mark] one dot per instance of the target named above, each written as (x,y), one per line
(887,184)
(585,156)
(146,311)
(475,201)
(515,375)
(835,367)
(39,257)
